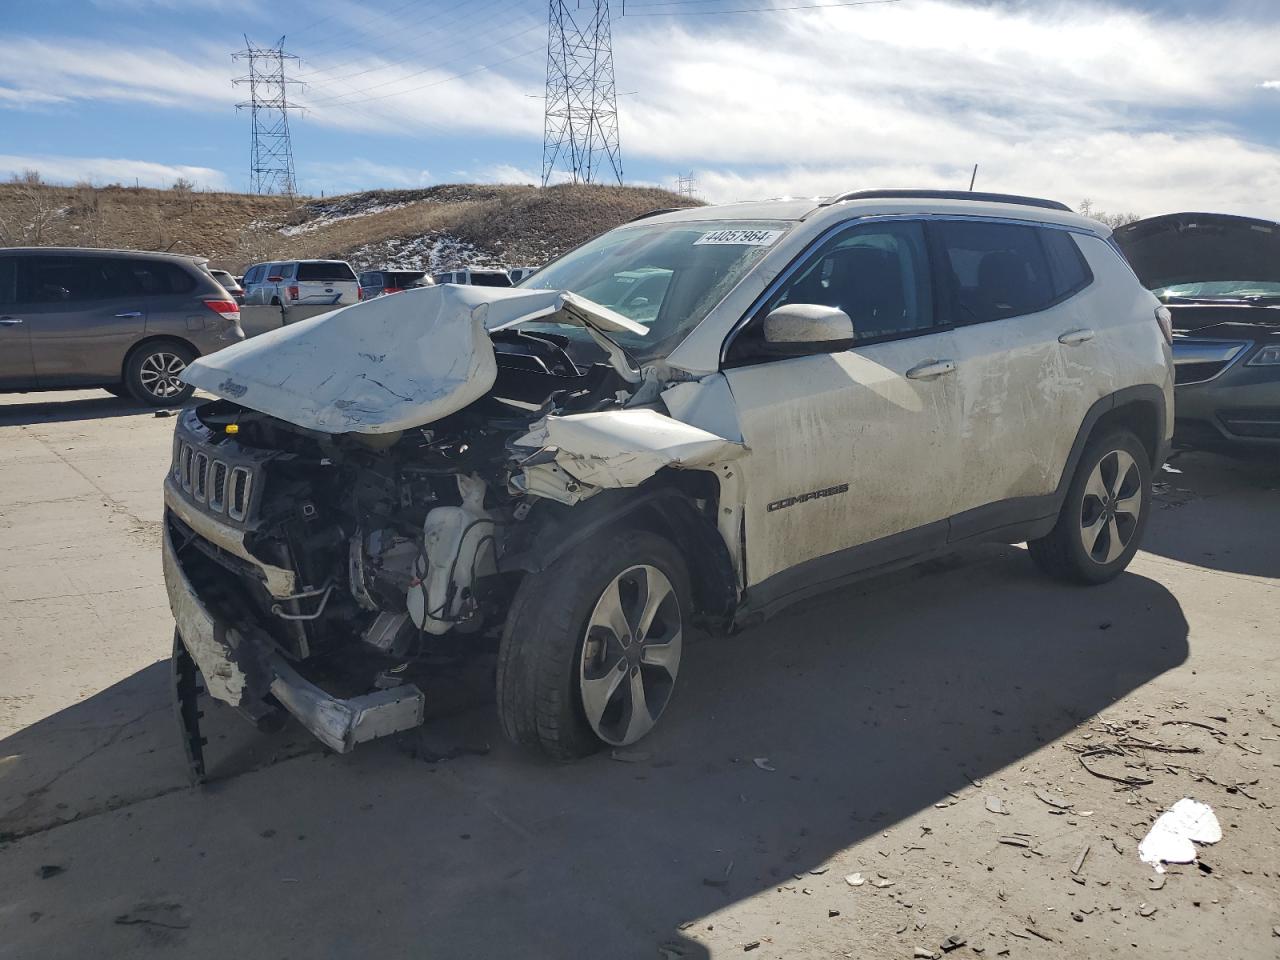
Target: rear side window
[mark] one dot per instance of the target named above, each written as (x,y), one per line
(8,279)
(492,279)
(369,280)
(62,280)
(158,277)
(327,270)
(992,271)
(1067,266)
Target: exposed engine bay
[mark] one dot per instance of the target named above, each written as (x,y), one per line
(297,556)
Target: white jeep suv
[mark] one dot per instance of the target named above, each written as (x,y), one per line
(697,418)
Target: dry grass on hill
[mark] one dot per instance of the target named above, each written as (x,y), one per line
(466,223)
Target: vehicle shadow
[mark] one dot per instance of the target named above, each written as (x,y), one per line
(864,708)
(55,407)
(1210,507)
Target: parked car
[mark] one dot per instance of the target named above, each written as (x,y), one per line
(301,283)
(1220,278)
(230,284)
(520,274)
(475,276)
(124,320)
(815,392)
(375,283)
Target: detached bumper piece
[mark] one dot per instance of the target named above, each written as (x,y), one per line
(242,671)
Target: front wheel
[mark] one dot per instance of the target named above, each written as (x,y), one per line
(1104,514)
(592,646)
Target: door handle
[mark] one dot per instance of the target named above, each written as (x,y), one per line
(129,314)
(9,321)
(931,370)
(1073,338)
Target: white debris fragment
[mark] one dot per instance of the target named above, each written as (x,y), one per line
(763,763)
(855,880)
(1173,836)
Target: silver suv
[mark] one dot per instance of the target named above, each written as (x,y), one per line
(291,283)
(123,320)
(696,419)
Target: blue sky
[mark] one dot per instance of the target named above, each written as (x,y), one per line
(1142,105)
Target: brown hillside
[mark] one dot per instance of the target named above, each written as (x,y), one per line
(434,227)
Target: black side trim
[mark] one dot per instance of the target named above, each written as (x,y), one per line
(843,567)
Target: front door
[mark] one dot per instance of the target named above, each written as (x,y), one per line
(84,313)
(16,370)
(851,454)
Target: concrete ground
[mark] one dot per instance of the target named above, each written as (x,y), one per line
(932,731)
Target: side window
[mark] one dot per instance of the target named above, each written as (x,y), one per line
(255,274)
(1067,266)
(8,280)
(992,271)
(61,280)
(877,273)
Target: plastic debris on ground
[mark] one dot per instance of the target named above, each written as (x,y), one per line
(1173,837)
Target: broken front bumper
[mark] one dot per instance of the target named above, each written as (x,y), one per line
(242,671)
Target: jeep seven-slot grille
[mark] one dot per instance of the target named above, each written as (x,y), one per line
(218,486)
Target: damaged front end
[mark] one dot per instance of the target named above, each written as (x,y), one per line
(354,513)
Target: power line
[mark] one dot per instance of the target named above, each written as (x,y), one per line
(436,83)
(271,150)
(580,125)
(437,21)
(715,13)
(339,97)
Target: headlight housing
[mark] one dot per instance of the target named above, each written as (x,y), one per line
(1268,356)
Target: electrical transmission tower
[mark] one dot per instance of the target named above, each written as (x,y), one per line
(271,155)
(686,185)
(580,132)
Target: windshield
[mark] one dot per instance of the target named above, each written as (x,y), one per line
(666,276)
(1219,290)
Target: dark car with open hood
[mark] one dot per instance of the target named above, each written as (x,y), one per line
(1219,276)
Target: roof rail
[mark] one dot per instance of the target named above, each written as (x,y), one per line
(654,213)
(947,195)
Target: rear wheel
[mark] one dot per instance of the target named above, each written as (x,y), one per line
(1104,514)
(592,646)
(153,370)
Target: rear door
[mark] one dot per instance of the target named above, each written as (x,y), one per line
(84,312)
(1027,362)
(16,369)
(324,281)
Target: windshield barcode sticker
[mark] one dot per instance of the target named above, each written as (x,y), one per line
(748,238)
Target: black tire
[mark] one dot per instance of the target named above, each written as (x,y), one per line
(1063,553)
(145,373)
(538,690)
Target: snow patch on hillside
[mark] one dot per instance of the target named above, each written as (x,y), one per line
(432,252)
(336,212)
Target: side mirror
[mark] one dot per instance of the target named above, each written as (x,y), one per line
(801,329)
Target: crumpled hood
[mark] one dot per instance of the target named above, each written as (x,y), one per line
(386,364)
(1201,248)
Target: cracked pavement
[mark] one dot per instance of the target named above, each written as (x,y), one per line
(887,716)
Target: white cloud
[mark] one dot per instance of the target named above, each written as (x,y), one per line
(90,71)
(101,170)
(357,173)
(1057,98)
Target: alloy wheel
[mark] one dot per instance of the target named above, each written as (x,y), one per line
(630,655)
(1111,507)
(159,373)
